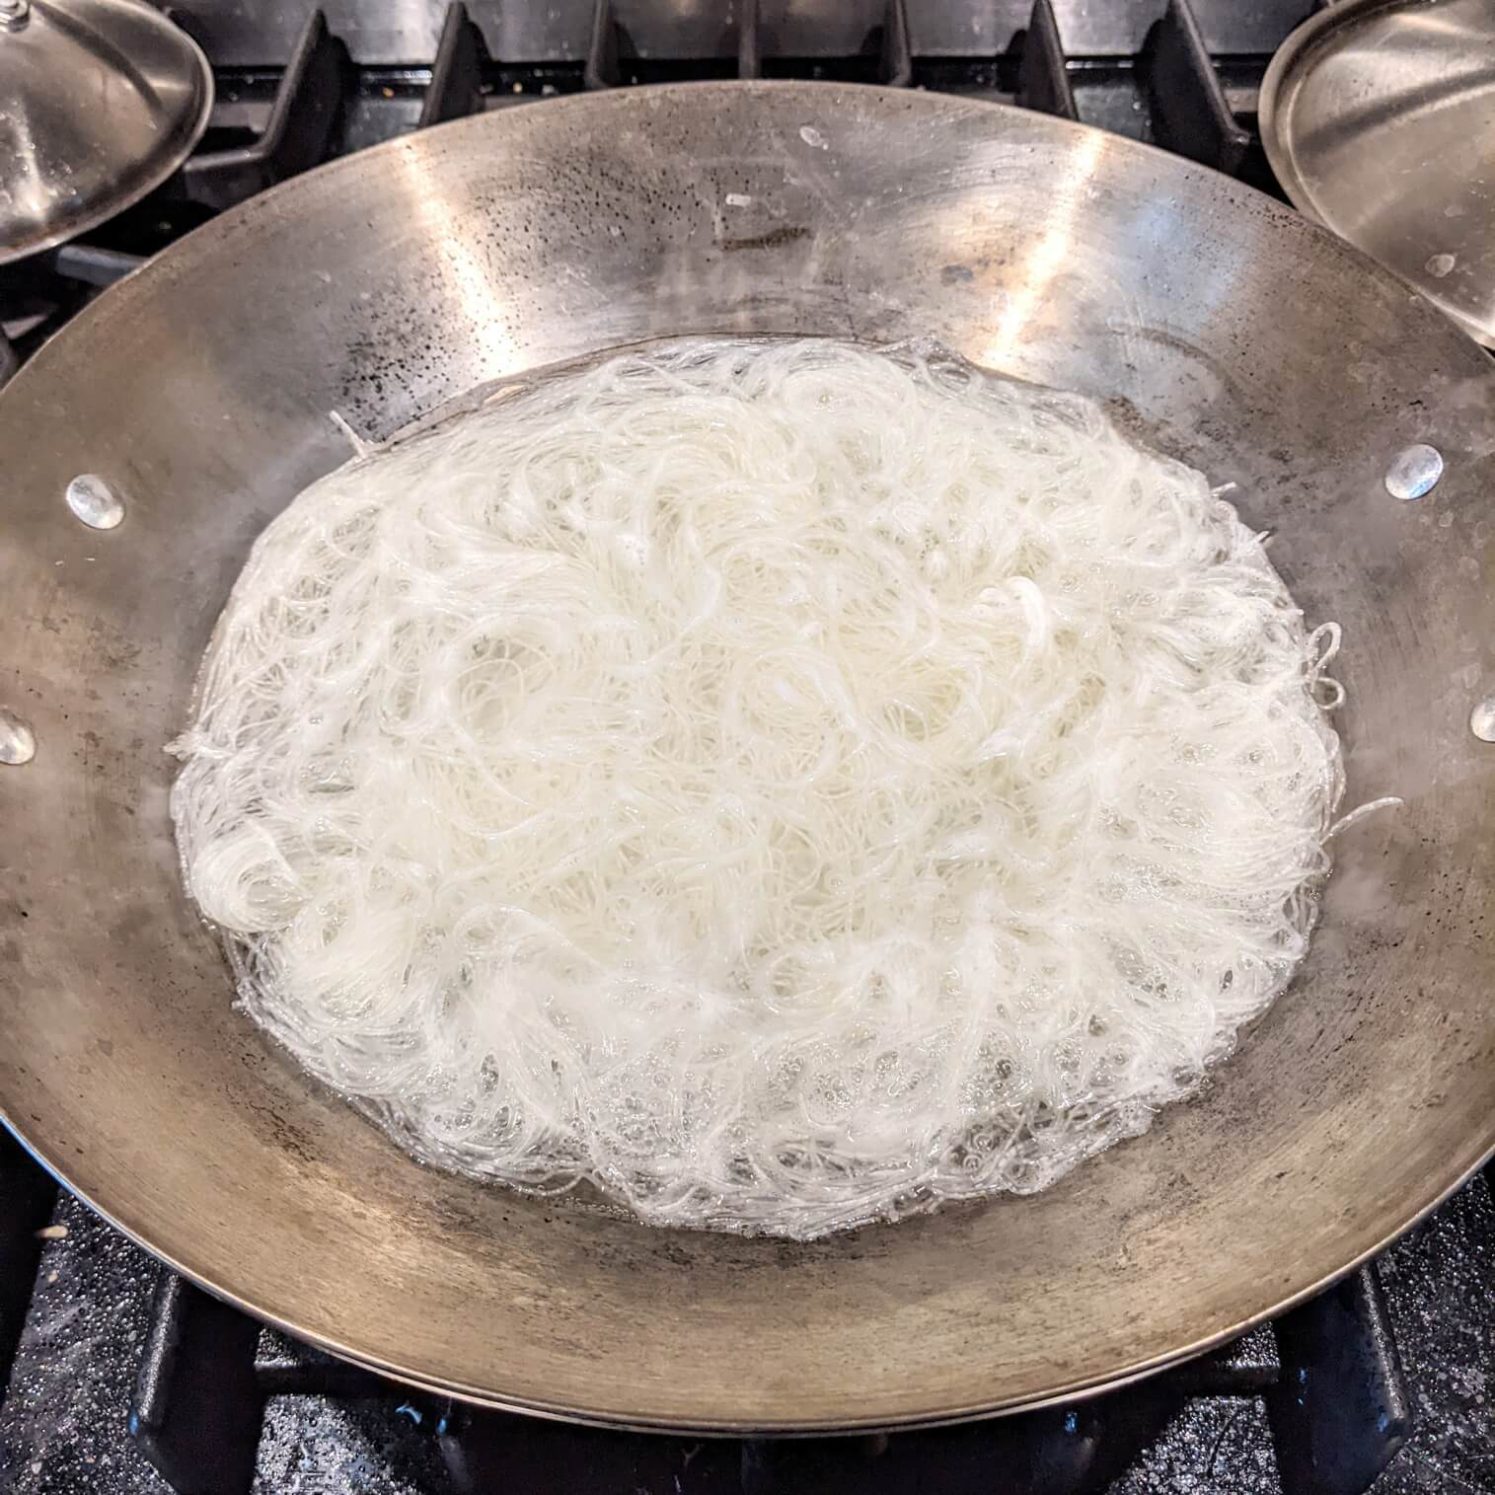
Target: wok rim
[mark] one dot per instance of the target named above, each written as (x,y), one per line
(203,242)
(1082,1389)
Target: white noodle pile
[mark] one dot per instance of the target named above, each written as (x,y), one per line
(786,784)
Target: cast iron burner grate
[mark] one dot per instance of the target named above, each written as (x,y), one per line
(209,1379)
(1328,1374)
(1333,1388)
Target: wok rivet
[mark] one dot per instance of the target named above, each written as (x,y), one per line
(94,502)
(1482,720)
(1414,471)
(17,740)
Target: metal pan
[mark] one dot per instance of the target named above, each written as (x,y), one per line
(1378,117)
(100,101)
(1225,328)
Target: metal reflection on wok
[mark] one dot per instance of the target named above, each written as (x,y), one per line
(1218,325)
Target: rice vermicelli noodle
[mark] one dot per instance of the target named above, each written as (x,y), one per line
(787,784)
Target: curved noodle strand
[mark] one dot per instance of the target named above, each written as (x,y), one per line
(786,784)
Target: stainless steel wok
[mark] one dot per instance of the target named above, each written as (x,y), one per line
(1226,329)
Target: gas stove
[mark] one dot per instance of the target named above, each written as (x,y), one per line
(118,1376)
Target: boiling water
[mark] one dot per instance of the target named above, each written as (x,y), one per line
(785,784)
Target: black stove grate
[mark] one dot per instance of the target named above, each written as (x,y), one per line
(1328,1374)
(26,1199)
(1334,1392)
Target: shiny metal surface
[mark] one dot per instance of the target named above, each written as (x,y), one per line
(1221,326)
(93,502)
(252,32)
(100,101)
(1482,720)
(1414,471)
(17,741)
(1378,117)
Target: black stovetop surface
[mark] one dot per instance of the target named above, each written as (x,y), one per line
(121,1370)
(77,1371)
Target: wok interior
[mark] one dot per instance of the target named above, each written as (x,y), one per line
(1222,329)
